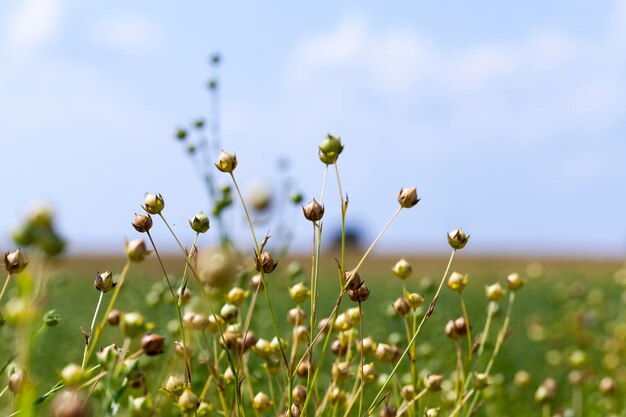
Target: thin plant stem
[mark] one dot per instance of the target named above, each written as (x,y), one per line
(362,359)
(431,309)
(468,327)
(344,208)
(178,313)
(4,287)
(483,338)
(93,322)
(98,329)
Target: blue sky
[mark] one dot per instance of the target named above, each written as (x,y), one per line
(508,117)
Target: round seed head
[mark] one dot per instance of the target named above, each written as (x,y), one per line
(174,385)
(402,269)
(330,149)
(368,372)
(261,402)
(401,306)
(152,344)
(136,250)
(237,296)
(607,386)
(495,292)
(433,382)
(265,263)
(299,394)
(142,222)
(226,162)
(199,223)
(407,197)
(104,281)
(407,392)
(14,262)
(415,300)
(295,316)
(514,281)
(153,203)
(313,211)
(70,403)
(114,317)
(299,293)
(457,281)
(188,401)
(457,239)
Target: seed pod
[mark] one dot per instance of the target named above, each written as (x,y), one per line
(16,381)
(384,352)
(70,403)
(324,325)
(514,281)
(360,294)
(188,401)
(387,411)
(495,292)
(200,223)
(340,371)
(402,269)
(114,317)
(295,316)
(265,263)
(457,281)
(415,300)
(450,330)
(302,333)
(104,281)
(401,306)
(299,293)
(152,344)
(407,392)
(174,385)
(339,348)
(304,368)
(368,372)
(72,375)
(433,382)
(237,296)
(226,162)
(136,250)
(261,402)
(299,394)
(313,211)
(154,203)
(457,239)
(480,381)
(337,396)
(368,346)
(546,391)
(142,222)
(256,283)
(407,197)
(200,322)
(14,262)
(607,386)
(330,149)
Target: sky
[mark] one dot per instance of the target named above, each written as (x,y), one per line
(509,118)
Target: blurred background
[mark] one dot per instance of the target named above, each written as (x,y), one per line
(509,118)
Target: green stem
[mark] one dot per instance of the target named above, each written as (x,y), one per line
(4,287)
(431,309)
(93,322)
(100,326)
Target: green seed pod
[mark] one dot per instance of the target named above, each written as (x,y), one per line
(154,203)
(200,223)
(330,149)
(415,300)
(514,281)
(72,375)
(299,293)
(402,269)
(458,239)
(261,402)
(174,385)
(237,296)
(226,162)
(457,281)
(495,292)
(188,401)
(368,372)
(132,324)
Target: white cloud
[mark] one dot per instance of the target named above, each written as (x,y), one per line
(34,23)
(127,34)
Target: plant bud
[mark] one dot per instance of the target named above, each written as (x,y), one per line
(480,381)
(514,281)
(368,372)
(104,281)
(265,263)
(415,300)
(340,371)
(299,293)
(262,348)
(200,223)
(433,382)
(457,281)
(299,394)
(132,324)
(261,402)
(229,376)
(330,149)
(432,412)
(402,307)
(360,294)
(450,330)
(256,283)
(457,239)
(384,352)
(337,396)
(407,392)
(402,269)
(226,162)
(14,262)
(181,349)
(296,410)
(304,368)
(72,375)
(495,292)
(200,322)
(229,312)
(607,386)
(339,348)
(248,340)
(108,355)
(407,197)
(313,211)
(388,411)
(302,333)
(174,385)
(522,379)
(136,250)
(51,318)
(546,391)
(367,346)
(154,203)
(70,403)
(188,401)
(295,316)
(114,317)
(204,410)
(152,344)
(237,296)
(461,326)
(16,381)
(142,222)
(343,322)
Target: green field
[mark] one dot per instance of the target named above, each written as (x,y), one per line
(567,317)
